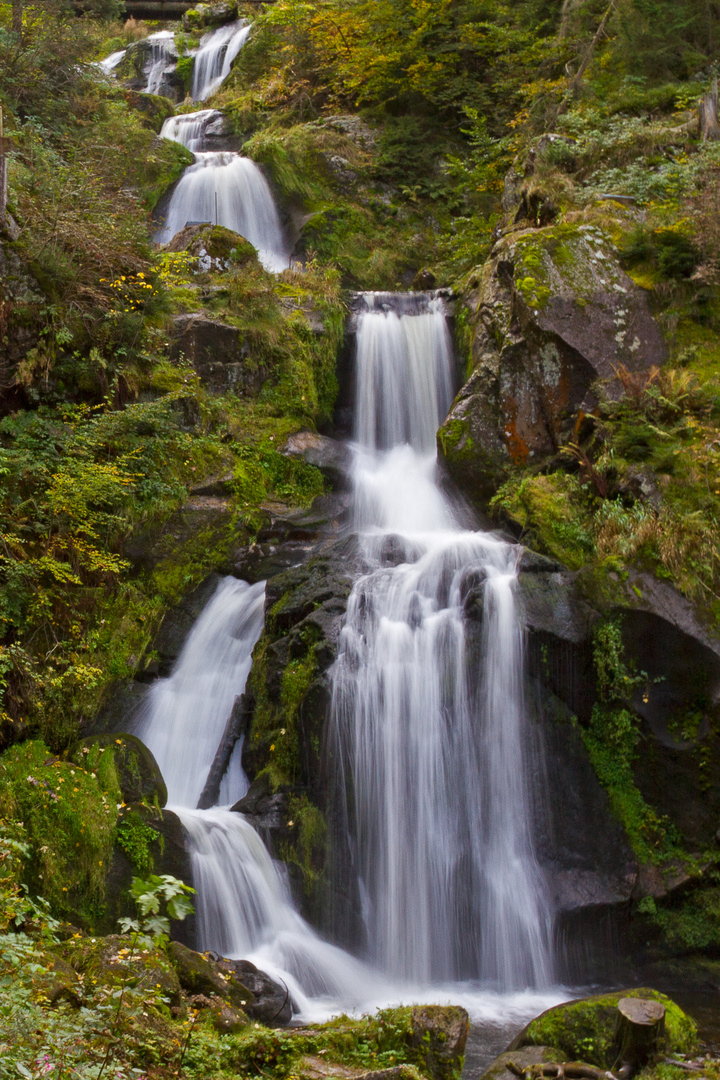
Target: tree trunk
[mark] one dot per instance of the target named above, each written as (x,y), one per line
(3,174)
(709,126)
(639,1027)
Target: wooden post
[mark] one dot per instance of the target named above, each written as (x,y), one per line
(639,1028)
(3,173)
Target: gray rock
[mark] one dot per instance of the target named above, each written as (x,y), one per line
(218,354)
(333,458)
(523,1058)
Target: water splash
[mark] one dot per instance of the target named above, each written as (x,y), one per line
(110,62)
(215,57)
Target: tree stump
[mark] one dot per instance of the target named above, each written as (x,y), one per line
(639,1027)
(709,126)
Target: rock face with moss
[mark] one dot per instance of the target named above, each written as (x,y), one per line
(548,314)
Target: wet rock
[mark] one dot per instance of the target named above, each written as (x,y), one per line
(198,974)
(236,727)
(272,1004)
(551,312)
(218,354)
(523,1058)
(439,1034)
(584,1030)
(215,247)
(132,71)
(333,458)
(263,808)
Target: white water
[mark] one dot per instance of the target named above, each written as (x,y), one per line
(162,56)
(189,128)
(110,62)
(215,57)
(435,755)
(455,908)
(228,190)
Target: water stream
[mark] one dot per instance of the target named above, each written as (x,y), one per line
(432,735)
(214,58)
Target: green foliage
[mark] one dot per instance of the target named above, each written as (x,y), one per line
(158,899)
(135,837)
(68,814)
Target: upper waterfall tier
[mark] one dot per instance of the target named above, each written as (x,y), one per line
(215,56)
(190,129)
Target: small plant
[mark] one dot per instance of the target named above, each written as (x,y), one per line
(152,929)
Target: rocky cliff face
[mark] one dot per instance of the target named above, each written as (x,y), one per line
(548,314)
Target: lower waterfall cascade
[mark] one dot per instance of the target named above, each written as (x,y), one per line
(454,903)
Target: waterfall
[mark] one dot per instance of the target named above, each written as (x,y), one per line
(225,189)
(189,128)
(162,54)
(434,750)
(215,56)
(110,62)
(243,904)
(429,728)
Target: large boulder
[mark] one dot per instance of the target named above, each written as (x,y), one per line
(584,1030)
(116,961)
(138,773)
(218,353)
(549,313)
(439,1035)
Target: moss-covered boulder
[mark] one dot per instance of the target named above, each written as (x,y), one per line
(115,961)
(584,1030)
(439,1035)
(153,108)
(200,975)
(138,773)
(548,314)
(206,15)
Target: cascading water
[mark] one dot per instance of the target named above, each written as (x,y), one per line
(215,57)
(110,62)
(434,752)
(433,757)
(162,56)
(228,190)
(243,905)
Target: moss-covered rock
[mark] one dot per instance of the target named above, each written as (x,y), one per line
(584,1030)
(439,1034)
(154,108)
(114,961)
(200,975)
(547,315)
(138,773)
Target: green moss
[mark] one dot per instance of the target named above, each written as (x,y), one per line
(455,440)
(69,814)
(184,70)
(693,924)
(307,848)
(553,514)
(584,1030)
